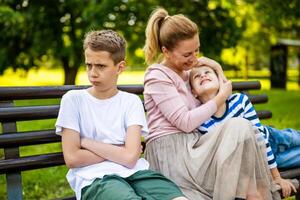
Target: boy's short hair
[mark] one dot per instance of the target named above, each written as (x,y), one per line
(106,40)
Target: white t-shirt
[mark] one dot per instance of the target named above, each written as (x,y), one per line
(103,120)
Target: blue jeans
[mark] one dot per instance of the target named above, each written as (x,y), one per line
(285,145)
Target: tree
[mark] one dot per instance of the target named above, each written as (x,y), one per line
(38,30)
(14,38)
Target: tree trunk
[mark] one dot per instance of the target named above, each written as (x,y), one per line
(70,76)
(70,73)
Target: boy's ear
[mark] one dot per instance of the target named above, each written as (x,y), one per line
(121,66)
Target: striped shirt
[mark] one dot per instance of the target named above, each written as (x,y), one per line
(239,105)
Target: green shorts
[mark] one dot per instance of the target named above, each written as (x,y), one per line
(144,184)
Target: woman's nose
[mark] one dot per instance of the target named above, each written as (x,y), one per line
(194,58)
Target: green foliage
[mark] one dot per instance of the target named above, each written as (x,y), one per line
(39,30)
(280,17)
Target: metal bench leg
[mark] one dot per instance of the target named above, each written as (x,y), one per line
(14,186)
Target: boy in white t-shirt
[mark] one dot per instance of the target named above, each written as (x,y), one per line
(101,131)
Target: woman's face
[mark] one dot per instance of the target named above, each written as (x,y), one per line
(184,55)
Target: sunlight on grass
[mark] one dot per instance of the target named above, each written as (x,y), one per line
(32,78)
(44,77)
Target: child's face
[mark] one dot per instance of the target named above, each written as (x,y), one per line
(204,80)
(101,70)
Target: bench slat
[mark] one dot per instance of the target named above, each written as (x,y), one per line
(264,114)
(45,92)
(40,92)
(28,138)
(290,173)
(23,113)
(31,162)
(260,98)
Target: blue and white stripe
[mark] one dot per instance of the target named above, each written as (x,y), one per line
(239,105)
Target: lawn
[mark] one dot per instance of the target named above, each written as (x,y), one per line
(51,183)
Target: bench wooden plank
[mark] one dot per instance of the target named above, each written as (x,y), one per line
(17,139)
(31,162)
(40,92)
(28,113)
(22,113)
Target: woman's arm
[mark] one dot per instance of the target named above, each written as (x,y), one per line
(171,104)
(74,155)
(126,155)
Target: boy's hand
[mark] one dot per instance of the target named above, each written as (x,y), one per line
(214,65)
(286,186)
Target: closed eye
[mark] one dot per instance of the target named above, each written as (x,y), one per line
(207,72)
(197,76)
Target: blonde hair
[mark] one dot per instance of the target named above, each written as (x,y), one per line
(165,30)
(106,40)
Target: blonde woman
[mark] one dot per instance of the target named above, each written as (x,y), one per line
(204,167)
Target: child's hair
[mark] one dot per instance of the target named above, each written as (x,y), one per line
(165,30)
(106,40)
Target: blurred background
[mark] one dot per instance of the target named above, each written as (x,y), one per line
(41,39)
(41,44)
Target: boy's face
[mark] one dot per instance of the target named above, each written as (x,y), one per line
(204,81)
(101,70)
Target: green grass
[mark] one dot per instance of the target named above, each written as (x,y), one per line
(284,106)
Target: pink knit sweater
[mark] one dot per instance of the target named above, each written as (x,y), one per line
(171,108)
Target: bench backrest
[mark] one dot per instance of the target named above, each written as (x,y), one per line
(11,139)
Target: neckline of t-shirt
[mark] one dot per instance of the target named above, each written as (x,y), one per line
(101,101)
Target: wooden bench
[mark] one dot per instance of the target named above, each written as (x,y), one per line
(12,165)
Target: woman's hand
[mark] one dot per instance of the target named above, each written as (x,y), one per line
(286,186)
(225,89)
(214,65)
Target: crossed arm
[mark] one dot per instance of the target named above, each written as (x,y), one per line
(80,152)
